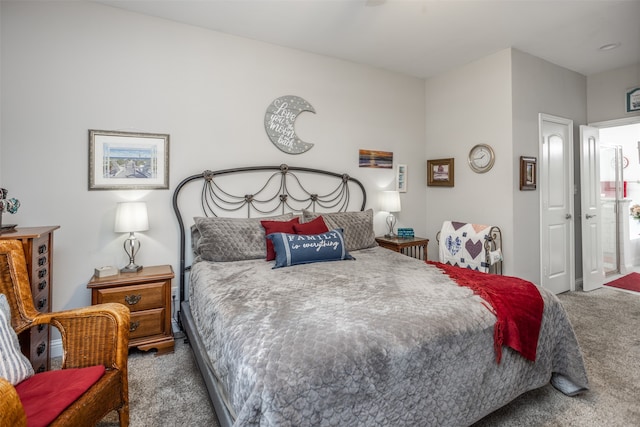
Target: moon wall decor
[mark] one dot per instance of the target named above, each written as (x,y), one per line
(279,122)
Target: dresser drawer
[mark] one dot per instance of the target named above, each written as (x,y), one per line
(35,345)
(39,355)
(40,285)
(136,297)
(41,301)
(147,323)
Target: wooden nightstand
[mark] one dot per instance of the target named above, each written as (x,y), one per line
(415,247)
(147,294)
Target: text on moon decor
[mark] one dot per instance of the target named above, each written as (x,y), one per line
(279,123)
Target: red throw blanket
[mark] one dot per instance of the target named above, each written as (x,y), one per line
(516,303)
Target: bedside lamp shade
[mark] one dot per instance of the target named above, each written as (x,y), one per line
(131,217)
(390,202)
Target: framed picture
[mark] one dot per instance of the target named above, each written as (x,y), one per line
(440,173)
(527,173)
(633,100)
(128,160)
(375,159)
(401,179)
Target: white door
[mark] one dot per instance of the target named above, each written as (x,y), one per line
(592,255)
(557,261)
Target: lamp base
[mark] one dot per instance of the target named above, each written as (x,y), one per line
(391,222)
(131,268)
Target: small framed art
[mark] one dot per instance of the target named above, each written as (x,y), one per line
(633,100)
(128,160)
(440,173)
(375,159)
(401,178)
(527,173)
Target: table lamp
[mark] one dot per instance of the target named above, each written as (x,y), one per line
(390,202)
(131,217)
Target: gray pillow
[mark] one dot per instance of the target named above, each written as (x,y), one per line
(232,239)
(14,366)
(357,226)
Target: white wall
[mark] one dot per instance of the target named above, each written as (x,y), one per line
(465,107)
(606,93)
(540,87)
(496,100)
(72,66)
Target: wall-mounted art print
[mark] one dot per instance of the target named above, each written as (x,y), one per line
(440,173)
(527,173)
(376,159)
(633,100)
(401,178)
(128,160)
(279,122)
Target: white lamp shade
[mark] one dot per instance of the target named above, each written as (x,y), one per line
(390,201)
(131,216)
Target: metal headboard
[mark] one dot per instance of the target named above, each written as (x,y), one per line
(281,192)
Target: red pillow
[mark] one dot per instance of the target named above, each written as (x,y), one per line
(277,227)
(44,396)
(316,226)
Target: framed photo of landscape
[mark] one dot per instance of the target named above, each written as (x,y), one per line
(128,160)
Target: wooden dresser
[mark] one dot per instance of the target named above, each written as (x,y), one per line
(37,243)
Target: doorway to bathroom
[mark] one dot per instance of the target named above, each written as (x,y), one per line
(620,191)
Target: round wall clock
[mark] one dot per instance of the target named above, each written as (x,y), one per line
(481,158)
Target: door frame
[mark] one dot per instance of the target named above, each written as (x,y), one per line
(623,246)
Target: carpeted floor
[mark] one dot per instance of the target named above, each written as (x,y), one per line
(629,282)
(168,390)
(606,322)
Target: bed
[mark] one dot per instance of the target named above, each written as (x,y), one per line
(360,336)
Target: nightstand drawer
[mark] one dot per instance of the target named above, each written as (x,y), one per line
(143,324)
(136,297)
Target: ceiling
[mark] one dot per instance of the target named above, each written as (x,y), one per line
(423,37)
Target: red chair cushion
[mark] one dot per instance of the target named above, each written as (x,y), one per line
(44,396)
(277,227)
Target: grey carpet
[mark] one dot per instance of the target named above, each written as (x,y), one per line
(168,390)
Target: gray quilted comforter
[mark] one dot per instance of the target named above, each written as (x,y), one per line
(385,340)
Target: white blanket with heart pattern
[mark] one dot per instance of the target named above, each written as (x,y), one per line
(462,244)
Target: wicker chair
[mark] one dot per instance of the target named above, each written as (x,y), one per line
(96,335)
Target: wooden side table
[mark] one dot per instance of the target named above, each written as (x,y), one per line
(415,247)
(147,293)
